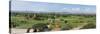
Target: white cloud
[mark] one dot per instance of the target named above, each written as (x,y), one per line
(75,9)
(71,9)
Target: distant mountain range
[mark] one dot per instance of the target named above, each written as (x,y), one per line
(51,12)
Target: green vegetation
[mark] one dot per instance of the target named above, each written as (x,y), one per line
(67,21)
(89,25)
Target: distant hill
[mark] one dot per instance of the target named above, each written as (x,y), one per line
(52,12)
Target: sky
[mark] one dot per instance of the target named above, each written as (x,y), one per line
(83,2)
(52,7)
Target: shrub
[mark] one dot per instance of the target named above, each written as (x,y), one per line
(66,27)
(39,25)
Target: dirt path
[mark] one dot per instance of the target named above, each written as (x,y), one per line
(77,28)
(18,31)
(22,31)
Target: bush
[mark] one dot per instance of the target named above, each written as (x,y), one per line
(14,24)
(39,25)
(66,27)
